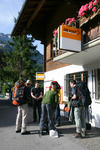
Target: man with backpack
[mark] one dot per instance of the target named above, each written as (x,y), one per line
(79,111)
(19,99)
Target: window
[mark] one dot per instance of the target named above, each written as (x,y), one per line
(97,84)
(80,76)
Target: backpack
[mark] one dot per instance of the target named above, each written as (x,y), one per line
(83,94)
(18,93)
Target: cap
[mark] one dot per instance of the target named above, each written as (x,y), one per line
(28,82)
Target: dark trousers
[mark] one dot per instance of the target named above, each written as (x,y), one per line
(46,111)
(36,105)
(57,114)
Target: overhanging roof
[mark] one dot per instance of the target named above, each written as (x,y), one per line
(90,55)
(41,17)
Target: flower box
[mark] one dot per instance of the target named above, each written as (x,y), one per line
(85,20)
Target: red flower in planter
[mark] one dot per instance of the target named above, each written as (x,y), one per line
(87,9)
(70,22)
(55,32)
(83,10)
(94,9)
(95,2)
(90,5)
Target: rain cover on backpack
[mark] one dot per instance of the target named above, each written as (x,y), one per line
(83,93)
(18,93)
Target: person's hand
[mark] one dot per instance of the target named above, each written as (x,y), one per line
(35,97)
(38,98)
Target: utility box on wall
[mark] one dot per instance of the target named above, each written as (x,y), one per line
(69,38)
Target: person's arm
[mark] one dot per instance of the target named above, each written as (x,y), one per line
(41,96)
(74,94)
(32,94)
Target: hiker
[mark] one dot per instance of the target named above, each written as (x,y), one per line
(79,111)
(48,107)
(57,113)
(28,85)
(37,95)
(20,100)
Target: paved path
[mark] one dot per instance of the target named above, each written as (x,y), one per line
(9,140)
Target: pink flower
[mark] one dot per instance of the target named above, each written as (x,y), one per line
(86,7)
(94,9)
(95,2)
(90,5)
(62,23)
(69,21)
(55,32)
(83,9)
(73,19)
(82,14)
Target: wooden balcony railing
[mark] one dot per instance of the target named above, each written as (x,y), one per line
(58,52)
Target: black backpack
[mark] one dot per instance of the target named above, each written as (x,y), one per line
(83,94)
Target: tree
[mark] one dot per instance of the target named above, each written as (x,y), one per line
(19,61)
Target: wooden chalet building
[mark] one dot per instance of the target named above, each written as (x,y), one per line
(39,18)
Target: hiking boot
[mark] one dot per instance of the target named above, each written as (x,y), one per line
(41,133)
(18,131)
(25,133)
(57,124)
(77,135)
(83,133)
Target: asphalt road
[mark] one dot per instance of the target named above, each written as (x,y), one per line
(9,140)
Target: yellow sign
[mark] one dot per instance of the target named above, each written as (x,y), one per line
(69,38)
(70,32)
(39,76)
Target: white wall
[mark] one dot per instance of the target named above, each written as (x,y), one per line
(59,74)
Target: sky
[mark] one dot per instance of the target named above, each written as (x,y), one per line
(8,11)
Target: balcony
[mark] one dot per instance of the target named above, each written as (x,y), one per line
(89,55)
(90,52)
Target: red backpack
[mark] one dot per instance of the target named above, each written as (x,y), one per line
(18,93)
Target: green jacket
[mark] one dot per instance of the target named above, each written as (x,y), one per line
(51,98)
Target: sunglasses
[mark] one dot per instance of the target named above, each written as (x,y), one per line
(28,84)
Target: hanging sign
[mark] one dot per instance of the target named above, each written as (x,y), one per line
(69,38)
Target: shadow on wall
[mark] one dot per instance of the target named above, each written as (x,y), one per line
(97,120)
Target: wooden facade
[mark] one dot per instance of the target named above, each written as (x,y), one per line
(49,64)
(40,17)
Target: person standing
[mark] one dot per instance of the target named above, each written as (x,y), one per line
(21,94)
(28,92)
(49,103)
(79,111)
(57,112)
(37,95)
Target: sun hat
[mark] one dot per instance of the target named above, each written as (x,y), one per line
(28,82)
